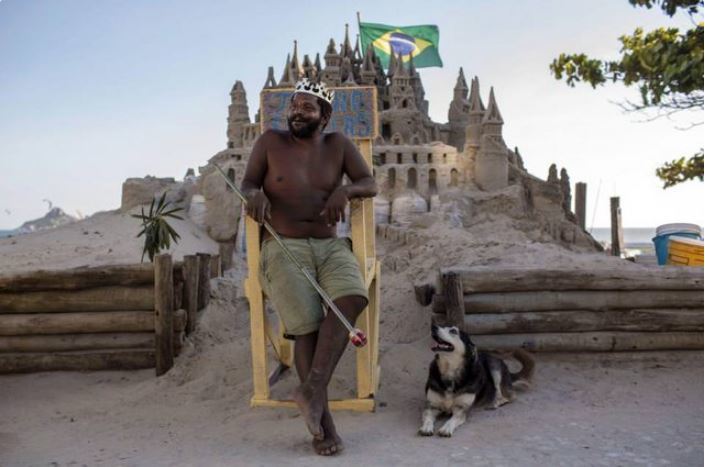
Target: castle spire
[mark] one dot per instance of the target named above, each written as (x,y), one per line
(368,72)
(461,86)
(286,80)
(317,64)
(476,104)
(295,68)
(492,114)
(346,50)
(309,69)
(271,82)
(392,67)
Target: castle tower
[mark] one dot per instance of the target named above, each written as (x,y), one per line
(417,85)
(331,73)
(476,112)
(459,112)
(308,68)
(492,162)
(317,66)
(238,115)
(401,93)
(296,70)
(367,71)
(346,49)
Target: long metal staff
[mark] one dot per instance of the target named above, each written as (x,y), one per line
(357,337)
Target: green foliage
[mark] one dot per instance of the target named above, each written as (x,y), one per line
(665,64)
(155,228)
(681,170)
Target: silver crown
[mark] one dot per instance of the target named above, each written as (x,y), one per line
(315,89)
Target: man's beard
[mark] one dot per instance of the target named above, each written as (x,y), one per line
(307,131)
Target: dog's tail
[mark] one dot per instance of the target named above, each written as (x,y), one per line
(526,373)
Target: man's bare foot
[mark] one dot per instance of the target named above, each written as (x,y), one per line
(311,404)
(331,443)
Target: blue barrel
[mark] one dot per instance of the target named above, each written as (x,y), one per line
(667,230)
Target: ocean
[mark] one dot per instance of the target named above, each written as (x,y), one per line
(6,233)
(633,236)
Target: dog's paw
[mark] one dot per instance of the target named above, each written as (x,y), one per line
(425,432)
(445,432)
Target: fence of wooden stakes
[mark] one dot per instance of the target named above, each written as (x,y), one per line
(116,317)
(571,310)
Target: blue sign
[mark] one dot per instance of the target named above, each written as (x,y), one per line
(354,111)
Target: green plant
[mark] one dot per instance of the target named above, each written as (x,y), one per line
(155,228)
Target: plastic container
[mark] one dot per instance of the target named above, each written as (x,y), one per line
(684,251)
(663,232)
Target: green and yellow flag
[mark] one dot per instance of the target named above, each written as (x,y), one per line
(420,42)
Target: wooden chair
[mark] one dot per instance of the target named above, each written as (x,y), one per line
(262,330)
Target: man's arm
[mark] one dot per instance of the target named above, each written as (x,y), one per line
(258,206)
(362,184)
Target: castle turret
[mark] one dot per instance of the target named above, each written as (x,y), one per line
(367,71)
(317,65)
(271,82)
(238,115)
(346,49)
(401,93)
(417,85)
(331,73)
(492,162)
(459,112)
(296,70)
(476,112)
(308,68)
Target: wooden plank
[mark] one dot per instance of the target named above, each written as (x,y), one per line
(453,294)
(112,298)
(355,405)
(16,324)
(253,292)
(72,342)
(204,279)
(77,361)
(163,313)
(581,320)
(508,302)
(190,273)
(593,341)
(504,279)
(363,356)
(78,278)
(215,266)
(375,295)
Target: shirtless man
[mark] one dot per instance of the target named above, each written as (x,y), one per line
(300,173)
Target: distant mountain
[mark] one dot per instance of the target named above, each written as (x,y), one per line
(54,218)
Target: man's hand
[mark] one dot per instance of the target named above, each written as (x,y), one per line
(334,210)
(258,206)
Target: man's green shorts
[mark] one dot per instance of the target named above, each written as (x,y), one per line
(329,260)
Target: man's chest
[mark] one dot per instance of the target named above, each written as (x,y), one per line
(302,170)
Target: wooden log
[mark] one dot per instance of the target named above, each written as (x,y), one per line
(191,291)
(215,266)
(179,339)
(113,298)
(178,294)
(581,300)
(71,342)
(16,324)
(180,319)
(77,361)
(204,283)
(616,223)
(164,313)
(79,278)
(592,341)
(580,203)
(496,279)
(581,320)
(424,293)
(453,292)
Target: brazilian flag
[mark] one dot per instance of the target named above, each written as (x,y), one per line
(419,42)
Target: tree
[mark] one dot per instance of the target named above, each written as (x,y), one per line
(667,67)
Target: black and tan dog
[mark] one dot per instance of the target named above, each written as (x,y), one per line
(461,377)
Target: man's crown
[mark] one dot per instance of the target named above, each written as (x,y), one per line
(316,89)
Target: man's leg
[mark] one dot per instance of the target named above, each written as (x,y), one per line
(303,357)
(311,395)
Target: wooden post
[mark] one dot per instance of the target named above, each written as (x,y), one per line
(204,279)
(164,311)
(191,291)
(455,306)
(226,250)
(215,266)
(580,203)
(617,234)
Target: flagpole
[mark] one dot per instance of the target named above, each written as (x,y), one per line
(359,35)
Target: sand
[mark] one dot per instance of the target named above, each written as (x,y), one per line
(584,409)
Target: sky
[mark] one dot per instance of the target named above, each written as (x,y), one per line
(95,92)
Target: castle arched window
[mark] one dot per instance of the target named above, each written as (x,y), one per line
(454,177)
(231,177)
(391,178)
(231,145)
(416,158)
(404,104)
(411,178)
(398,158)
(430,158)
(445,157)
(432,183)
(383,158)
